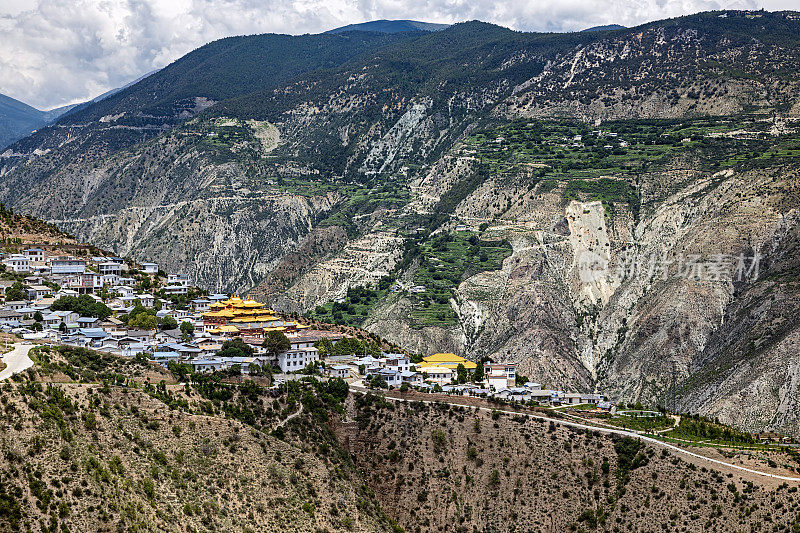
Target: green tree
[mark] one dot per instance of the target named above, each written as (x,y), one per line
(275,342)
(14,293)
(338,388)
(187,329)
(84,305)
(62,327)
(477,374)
(461,373)
(37,326)
(143,321)
(168,322)
(105,294)
(37,316)
(235,347)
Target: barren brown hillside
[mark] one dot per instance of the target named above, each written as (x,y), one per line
(443,468)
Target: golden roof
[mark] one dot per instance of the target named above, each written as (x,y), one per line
(275,328)
(443,357)
(225,329)
(224,313)
(469,365)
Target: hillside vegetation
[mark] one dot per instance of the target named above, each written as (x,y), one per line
(100,443)
(451,468)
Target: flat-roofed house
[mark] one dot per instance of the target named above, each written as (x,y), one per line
(17,263)
(67,265)
(150,268)
(338,371)
(437,374)
(500,376)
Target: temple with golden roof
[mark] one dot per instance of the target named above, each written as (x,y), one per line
(445,360)
(236,316)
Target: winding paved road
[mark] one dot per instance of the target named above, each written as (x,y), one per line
(16,361)
(621,432)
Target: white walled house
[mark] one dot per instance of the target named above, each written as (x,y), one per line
(34,254)
(500,376)
(398,363)
(67,265)
(437,374)
(150,268)
(123,290)
(178,279)
(338,371)
(17,263)
(109,268)
(294,360)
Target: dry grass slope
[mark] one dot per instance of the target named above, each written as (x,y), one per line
(436,468)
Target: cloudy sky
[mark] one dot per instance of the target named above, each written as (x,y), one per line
(57,52)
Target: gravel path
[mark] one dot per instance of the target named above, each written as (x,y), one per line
(16,361)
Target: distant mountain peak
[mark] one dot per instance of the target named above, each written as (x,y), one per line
(390,26)
(606,27)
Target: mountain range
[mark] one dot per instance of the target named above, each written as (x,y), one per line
(18,119)
(609,209)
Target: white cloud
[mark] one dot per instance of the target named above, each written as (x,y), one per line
(55,52)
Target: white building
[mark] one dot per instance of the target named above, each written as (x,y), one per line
(109,268)
(500,376)
(17,263)
(150,268)
(397,363)
(178,279)
(34,254)
(123,290)
(338,371)
(437,374)
(207,365)
(295,360)
(67,265)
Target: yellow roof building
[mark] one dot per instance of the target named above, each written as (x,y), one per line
(447,360)
(225,329)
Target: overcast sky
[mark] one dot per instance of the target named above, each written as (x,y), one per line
(57,52)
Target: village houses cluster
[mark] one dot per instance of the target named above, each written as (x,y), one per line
(202,325)
(439,373)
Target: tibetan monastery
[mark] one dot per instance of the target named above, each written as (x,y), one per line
(446,360)
(235,316)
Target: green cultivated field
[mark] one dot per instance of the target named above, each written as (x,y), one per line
(445,261)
